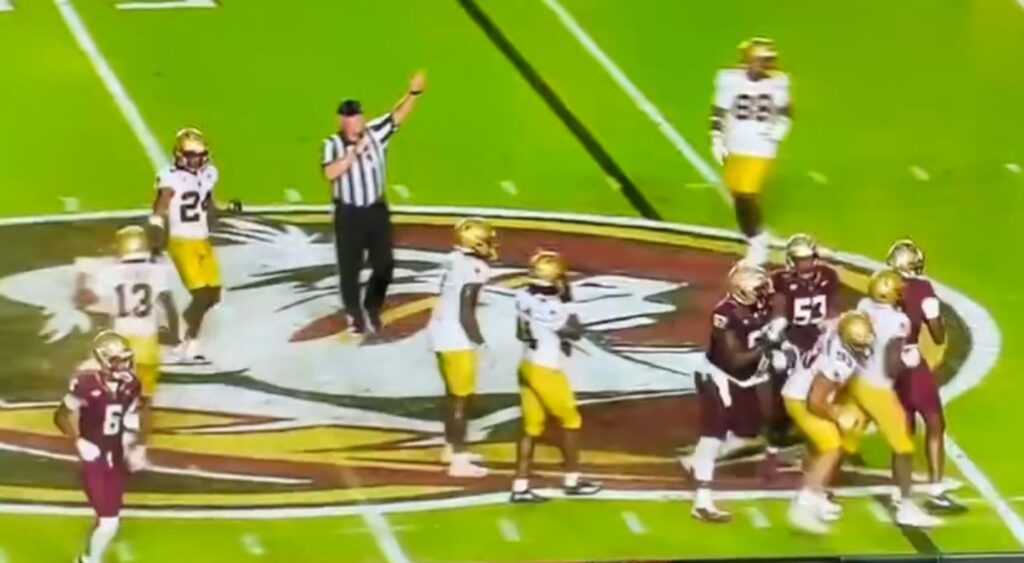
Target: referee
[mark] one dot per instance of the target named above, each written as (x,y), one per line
(354,162)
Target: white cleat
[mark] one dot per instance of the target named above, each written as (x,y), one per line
(828,511)
(447,453)
(462,467)
(908,513)
(806,518)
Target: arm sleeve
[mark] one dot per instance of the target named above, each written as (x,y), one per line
(329,151)
(165,179)
(382,128)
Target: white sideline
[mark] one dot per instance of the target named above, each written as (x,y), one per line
(638,97)
(114,86)
(983,358)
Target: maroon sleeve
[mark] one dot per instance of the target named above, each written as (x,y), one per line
(79,387)
(722,318)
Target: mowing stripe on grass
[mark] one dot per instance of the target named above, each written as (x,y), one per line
(509,531)
(555,103)
(112,83)
(638,97)
(633,523)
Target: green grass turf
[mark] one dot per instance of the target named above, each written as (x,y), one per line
(897,84)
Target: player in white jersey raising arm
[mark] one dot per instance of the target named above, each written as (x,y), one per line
(830,425)
(182,214)
(873,388)
(750,116)
(547,327)
(455,335)
(131,290)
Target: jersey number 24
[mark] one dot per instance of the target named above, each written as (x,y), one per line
(191,204)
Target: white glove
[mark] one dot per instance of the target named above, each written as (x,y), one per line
(87,450)
(62,322)
(776,329)
(718,149)
(779,129)
(911,356)
(136,458)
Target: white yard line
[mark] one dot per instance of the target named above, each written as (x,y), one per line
(170,5)
(509,530)
(638,97)
(757,518)
(375,521)
(920,173)
(402,190)
(292,195)
(879,512)
(1013,166)
(70,204)
(124,102)
(984,486)
(818,177)
(509,186)
(633,522)
(252,545)
(6,6)
(124,552)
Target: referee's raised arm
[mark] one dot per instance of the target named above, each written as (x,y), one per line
(354,162)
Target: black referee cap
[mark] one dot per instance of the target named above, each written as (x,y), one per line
(350,107)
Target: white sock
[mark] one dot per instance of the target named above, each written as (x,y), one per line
(897,496)
(102,535)
(757,252)
(571,479)
(704,458)
(520,485)
(702,498)
(936,489)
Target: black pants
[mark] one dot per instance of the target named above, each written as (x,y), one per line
(359,229)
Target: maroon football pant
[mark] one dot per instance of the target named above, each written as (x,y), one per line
(742,417)
(919,394)
(103,484)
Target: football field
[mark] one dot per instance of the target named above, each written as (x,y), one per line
(579,124)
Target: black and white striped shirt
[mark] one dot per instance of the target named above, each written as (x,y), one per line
(363,183)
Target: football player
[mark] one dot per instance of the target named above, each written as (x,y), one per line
(873,387)
(455,334)
(133,288)
(735,366)
(96,413)
(547,326)
(750,116)
(804,297)
(183,214)
(917,389)
(810,397)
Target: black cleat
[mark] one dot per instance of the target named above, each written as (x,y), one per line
(944,504)
(526,497)
(583,489)
(375,324)
(711,515)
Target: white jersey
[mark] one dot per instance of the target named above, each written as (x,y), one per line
(545,315)
(888,323)
(193,195)
(829,358)
(752,106)
(128,291)
(461,269)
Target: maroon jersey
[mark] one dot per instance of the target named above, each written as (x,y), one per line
(101,409)
(915,292)
(807,301)
(746,321)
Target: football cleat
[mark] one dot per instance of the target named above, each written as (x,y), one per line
(828,511)
(526,497)
(374,322)
(908,513)
(583,488)
(462,467)
(804,517)
(711,514)
(944,504)
(477,236)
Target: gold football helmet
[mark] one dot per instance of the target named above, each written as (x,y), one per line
(855,331)
(800,246)
(757,48)
(112,351)
(885,286)
(748,283)
(548,268)
(906,258)
(132,243)
(476,235)
(190,150)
